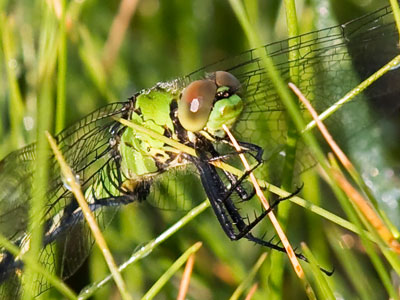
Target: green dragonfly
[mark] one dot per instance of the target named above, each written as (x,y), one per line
(117,166)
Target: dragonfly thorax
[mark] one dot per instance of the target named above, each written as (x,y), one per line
(199,111)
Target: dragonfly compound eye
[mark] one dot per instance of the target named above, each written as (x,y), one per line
(195,104)
(228,106)
(226,79)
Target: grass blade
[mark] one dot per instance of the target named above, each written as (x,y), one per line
(76,190)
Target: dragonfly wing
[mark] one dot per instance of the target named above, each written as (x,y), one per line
(177,189)
(15,180)
(87,148)
(331,62)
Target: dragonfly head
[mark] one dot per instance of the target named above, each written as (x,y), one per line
(209,103)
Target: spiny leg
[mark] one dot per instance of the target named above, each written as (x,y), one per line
(221,202)
(234,181)
(215,184)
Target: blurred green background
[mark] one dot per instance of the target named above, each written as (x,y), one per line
(164,40)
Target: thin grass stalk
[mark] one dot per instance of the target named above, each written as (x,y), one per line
(276,279)
(148,248)
(396,13)
(352,266)
(155,289)
(292,134)
(16,107)
(282,236)
(366,213)
(117,32)
(76,190)
(308,138)
(354,215)
(354,92)
(394,63)
(278,83)
(249,278)
(62,70)
(33,265)
(41,165)
(90,57)
(296,265)
(40,180)
(369,247)
(251,292)
(322,283)
(378,227)
(185,281)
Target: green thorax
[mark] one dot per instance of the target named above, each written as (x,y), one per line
(207,103)
(140,152)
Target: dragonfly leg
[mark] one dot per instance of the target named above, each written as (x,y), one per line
(244,228)
(247,148)
(271,245)
(234,181)
(228,214)
(222,204)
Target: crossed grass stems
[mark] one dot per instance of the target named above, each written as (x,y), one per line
(244,230)
(283,195)
(355,228)
(348,97)
(230,169)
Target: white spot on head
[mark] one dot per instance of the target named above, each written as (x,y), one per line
(194,105)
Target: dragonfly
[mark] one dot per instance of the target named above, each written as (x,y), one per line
(117,166)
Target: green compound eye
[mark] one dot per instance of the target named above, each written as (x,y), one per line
(195,105)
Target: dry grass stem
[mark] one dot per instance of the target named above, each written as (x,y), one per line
(252,291)
(184,286)
(285,242)
(80,198)
(366,209)
(117,32)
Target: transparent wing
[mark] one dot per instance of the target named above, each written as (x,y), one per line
(332,61)
(177,189)
(87,149)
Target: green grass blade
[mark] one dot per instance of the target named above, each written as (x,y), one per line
(320,278)
(148,248)
(62,70)
(41,174)
(153,291)
(33,265)
(89,216)
(16,110)
(249,278)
